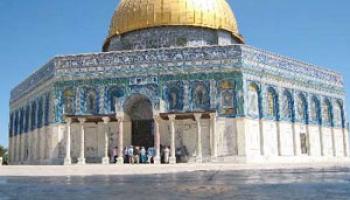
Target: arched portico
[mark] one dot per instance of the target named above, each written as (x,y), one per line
(138,109)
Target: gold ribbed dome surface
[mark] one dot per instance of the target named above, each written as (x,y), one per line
(134,15)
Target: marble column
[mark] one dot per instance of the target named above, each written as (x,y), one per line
(120,159)
(14,142)
(320,130)
(21,151)
(199,158)
(81,159)
(214,145)
(105,159)
(18,143)
(157,121)
(10,148)
(68,159)
(172,158)
(13,147)
(346,142)
(334,148)
(295,142)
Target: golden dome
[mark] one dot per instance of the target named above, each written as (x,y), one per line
(134,15)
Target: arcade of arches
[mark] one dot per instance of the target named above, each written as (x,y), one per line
(138,125)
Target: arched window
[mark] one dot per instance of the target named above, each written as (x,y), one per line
(27,125)
(33,116)
(69,101)
(91,101)
(327,113)
(40,113)
(271,103)
(174,97)
(288,106)
(339,115)
(302,109)
(47,109)
(21,121)
(253,101)
(228,98)
(11,125)
(315,111)
(114,93)
(200,96)
(15,126)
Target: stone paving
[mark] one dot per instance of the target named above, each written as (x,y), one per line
(98,169)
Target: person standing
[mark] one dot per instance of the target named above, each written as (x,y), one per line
(166,154)
(150,154)
(131,154)
(115,154)
(137,155)
(126,157)
(143,155)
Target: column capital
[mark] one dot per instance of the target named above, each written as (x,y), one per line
(172,117)
(82,120)
(197,116)
(157,118)
(120,116)
(68,120)
(106,120)
(213,115)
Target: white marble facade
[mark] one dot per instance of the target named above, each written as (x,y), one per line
(238,140)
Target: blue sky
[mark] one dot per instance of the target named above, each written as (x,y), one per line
(32,32)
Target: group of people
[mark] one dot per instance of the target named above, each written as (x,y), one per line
(139,155)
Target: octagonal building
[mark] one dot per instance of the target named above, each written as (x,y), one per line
(178,74)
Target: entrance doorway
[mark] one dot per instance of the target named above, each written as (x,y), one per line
(142,133)
(139,108)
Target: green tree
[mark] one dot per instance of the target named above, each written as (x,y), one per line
(3,151)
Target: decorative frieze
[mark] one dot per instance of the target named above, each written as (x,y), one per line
(175,61)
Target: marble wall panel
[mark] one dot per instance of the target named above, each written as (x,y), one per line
(286,138)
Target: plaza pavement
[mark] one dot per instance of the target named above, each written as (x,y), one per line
(112,169)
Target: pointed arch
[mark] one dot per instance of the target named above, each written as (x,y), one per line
(302,109)
(200,95)
(47,109)
(33,116)
(272,103)
(315,110)
(254,102)
(327,116)
(113,94)
(27,125)
(40,112)
(174,96)
(69,96)
(21,120)
(339,119)
(11,125)
(91,103)
(288,106)
(228,97)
